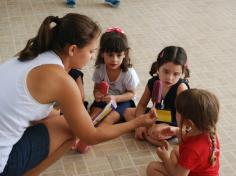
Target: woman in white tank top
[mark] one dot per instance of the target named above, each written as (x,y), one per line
(38,79)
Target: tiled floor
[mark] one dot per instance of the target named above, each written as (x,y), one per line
(205,28)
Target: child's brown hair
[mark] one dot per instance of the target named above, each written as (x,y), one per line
(202,108)
(114,40)
(174,54)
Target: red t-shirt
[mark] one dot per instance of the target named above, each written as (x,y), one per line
(194,155)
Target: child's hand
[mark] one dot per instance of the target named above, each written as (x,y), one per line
(140,133)
(108,98)
(162,151)
(98,96)
(169,131)
(162,131)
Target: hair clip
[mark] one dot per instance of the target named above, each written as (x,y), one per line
(162,54)
(115,29)
(57,20)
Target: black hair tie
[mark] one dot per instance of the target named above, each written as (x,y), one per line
(57,20)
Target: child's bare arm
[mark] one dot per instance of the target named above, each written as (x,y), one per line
(172,167)
(141,132)
(142,105)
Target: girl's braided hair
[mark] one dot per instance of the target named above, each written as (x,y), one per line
(202,108)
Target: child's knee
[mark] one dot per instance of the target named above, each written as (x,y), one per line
(151,168)
(129,114)
(155,168)
(114,115)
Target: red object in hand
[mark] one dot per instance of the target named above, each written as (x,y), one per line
(103,87)
(156,91)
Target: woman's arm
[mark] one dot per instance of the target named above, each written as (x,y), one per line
(50,83)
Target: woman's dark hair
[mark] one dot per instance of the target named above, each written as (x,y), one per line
(114,41)
(202,108)
(174,54)
(71,29)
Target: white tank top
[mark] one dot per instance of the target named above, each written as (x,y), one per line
(17,107)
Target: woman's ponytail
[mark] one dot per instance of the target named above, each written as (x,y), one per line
(55,33)
(42,42)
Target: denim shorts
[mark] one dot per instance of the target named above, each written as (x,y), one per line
(28,152)
(121,107)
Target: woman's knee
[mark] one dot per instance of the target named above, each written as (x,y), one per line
(59,132)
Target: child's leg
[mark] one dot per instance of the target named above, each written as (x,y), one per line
(96,108)
(94,111)
(111,118)
(129,114)
(118,114)
(156,168)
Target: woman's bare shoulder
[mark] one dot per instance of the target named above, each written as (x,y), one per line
(46,82)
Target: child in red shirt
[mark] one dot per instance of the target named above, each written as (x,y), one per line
(198,152)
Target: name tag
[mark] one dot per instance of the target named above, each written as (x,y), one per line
(163,115)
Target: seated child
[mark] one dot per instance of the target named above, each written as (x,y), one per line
(113,66)
(171,70)
(198,152)
(78,75)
